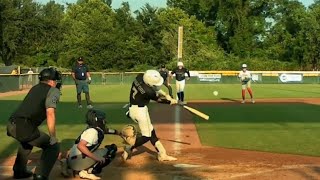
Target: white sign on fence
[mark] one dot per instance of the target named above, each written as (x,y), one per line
(287,78)
(210,77)
(256,77)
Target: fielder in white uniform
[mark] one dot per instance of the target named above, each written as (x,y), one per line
(144,88)
(245,79)
(180,72)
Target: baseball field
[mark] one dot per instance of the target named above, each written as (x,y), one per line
(275,138)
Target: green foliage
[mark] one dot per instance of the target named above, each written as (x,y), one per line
(218,35)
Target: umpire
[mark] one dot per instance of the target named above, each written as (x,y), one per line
(81,76)
(38,105)
(165,75)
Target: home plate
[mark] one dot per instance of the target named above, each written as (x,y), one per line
(186,165)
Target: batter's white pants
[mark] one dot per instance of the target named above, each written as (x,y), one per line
(141,116)
(180,85)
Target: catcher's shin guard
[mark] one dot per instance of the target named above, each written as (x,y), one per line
(162,153)
(111,154)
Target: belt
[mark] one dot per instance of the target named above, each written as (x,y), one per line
(136,105)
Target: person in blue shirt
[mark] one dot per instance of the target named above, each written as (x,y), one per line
(81,76)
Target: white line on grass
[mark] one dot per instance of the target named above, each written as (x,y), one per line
(177,127)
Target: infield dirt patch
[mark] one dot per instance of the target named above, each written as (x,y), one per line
(196,161)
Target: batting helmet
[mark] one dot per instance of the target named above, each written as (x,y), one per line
(153,79)
(96,118)
(51,74)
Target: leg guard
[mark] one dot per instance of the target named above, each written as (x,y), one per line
(153,138)
(162,153)
(111,154)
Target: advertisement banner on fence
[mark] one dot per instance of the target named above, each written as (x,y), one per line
(291,78)
(209,77)
(256,77)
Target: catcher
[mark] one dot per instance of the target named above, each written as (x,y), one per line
(85,157)
(245,79)
(144,88)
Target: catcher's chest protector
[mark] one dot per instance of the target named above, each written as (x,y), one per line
(94,146)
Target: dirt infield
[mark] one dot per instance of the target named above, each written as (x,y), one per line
(177,132)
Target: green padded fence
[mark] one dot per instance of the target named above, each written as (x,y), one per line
(24,81)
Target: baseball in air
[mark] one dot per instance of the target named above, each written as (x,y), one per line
(215,93)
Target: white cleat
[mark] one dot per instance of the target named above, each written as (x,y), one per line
(252,101)
(85,175)
(89,106)
(80,106)
(243,101)
(166,158)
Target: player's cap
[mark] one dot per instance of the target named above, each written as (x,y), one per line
(163,66)
(180,63)
(244,66)
(80,59)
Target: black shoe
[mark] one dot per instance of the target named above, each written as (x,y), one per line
(22,175)
(39,177)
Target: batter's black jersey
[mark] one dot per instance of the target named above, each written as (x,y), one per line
(180,73)
(141,93)
(164,74)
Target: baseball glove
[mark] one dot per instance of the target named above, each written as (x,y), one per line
(129,134)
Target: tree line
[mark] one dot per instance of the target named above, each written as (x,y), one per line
(218,35)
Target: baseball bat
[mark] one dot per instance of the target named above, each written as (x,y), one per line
(196,112)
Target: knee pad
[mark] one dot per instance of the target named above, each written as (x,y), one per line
(154,137)
(112,150)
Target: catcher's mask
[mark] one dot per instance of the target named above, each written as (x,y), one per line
(51,74)
(96,118)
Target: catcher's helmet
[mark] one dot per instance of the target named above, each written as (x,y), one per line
(96,118)
(153,79)
(51,74)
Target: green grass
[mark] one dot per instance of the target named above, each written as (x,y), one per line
(276,128)
(282,128)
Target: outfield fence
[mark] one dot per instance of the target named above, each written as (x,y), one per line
(10,82)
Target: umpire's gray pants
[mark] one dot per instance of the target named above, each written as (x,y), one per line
(48,157)
(78,163)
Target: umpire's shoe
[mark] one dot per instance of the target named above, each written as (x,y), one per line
(126,152)
(22,175)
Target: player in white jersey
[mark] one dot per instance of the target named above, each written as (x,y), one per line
(245,79)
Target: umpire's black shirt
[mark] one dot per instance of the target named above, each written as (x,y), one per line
(164,74)
(33,107)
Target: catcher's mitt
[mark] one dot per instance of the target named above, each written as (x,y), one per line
(129,134)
